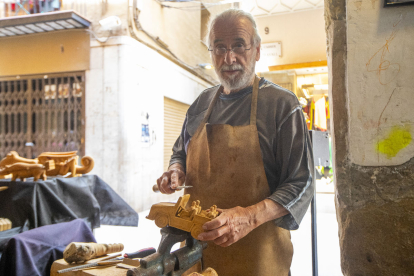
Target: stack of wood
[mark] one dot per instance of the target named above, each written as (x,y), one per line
(46,164)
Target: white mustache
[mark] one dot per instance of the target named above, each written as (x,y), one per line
(232,67)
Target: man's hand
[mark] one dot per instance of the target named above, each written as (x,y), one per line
(171,179)
(235,223)
(230,226)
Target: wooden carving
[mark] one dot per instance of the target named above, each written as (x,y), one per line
(25,170)
(80,252)
(189,219)
(19,167)
(5,224)
(208,272)
(10,159)
(47,164)
(66,162)
(13,157)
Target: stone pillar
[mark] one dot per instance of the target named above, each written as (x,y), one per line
(369,57)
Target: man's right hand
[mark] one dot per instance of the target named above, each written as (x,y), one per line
(171,179)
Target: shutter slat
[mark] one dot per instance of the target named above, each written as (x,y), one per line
(174,116)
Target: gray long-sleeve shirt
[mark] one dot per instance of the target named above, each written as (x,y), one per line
(283,137)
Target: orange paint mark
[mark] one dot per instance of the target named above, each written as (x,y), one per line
(385,70)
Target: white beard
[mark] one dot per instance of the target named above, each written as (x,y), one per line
(237,82)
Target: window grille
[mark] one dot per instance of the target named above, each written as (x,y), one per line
(42,113)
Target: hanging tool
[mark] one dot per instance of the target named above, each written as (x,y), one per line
(157,190)
(111,260)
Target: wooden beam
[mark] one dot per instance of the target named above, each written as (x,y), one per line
(298,65)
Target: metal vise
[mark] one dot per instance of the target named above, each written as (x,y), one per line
(167,263)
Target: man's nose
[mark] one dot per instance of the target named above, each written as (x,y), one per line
(229,57)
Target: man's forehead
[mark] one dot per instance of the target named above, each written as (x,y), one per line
(231,30)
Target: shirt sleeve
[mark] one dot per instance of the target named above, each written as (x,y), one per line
(293,154)
(179,149)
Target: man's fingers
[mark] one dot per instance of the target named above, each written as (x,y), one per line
(174,179)
(214,234)
(230,241)
(165,185)
(215,223)
(221,240)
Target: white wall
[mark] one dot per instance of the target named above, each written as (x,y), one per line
(302,35)
(127,80)
(380,82)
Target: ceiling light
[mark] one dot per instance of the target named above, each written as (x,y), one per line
(6,32)
(55,25)
(205,66)
(25,29)
(65,24)
(44,27)
(14,30)
(74,23)
(35,28)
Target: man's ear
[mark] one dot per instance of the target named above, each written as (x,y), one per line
(258,52)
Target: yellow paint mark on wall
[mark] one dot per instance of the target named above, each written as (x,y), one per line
(399,138)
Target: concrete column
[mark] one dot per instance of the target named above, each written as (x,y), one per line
(370,50)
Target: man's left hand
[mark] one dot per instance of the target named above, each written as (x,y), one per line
(235,223)
(229,227)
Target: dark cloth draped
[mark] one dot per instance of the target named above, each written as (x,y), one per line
(64,199)
(33,252)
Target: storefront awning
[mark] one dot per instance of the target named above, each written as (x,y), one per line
(41,23)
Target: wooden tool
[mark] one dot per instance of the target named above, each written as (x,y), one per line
(105,261)
(156,190)
(78,252)
(113,260)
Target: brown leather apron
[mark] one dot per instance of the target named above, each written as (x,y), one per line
(225,168)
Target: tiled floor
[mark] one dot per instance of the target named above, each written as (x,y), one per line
(148,235)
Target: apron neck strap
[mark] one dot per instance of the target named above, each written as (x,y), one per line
(253,107)
(209,110)
(253,110)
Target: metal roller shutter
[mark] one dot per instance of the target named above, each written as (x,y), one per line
(174,116)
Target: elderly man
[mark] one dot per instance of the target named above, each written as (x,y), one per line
(245,148)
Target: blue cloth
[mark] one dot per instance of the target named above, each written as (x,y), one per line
(33,252)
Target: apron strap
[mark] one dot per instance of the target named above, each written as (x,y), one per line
(253,107)
(209,110)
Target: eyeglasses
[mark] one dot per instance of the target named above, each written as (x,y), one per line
(238,49)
